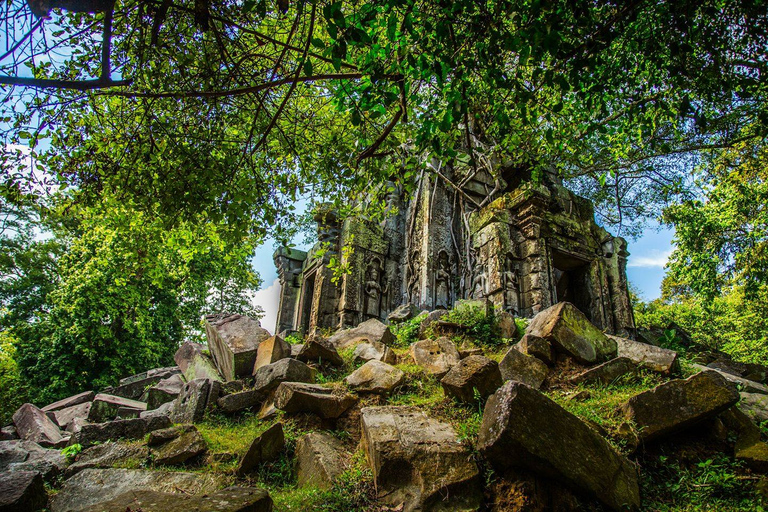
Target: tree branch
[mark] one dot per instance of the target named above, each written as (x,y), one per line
(371,150)
(78,85)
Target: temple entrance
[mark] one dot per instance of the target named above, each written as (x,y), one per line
(571,275)
(307,293)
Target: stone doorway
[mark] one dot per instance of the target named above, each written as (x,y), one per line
(572,281)
(307,294)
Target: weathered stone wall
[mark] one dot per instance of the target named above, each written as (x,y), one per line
(525,248)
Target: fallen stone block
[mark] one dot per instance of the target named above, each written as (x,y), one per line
(20,455)
(96,486)
(164,391)
(231,499)
(264,448)
(754,456)
(524,429)
(32,424)
(653,358)
(570,332)
(507,325)
(65,418)
(190,405)
(234,341)
(474,378)
(374,351)
(523,368)
(294,397)
(537,347)
(195,363)
(296,349)
(437,357)
(240,401)
(270,351)
(742,383)
(426,323)
(371,330)
(134,428)
(754,405)
(607,372)
(8,433)
(402,313)
(163,410)
(107,455)
(375,377)
(678,404)
(22,491)
(319,460)
(134,386)
(80,398)
(321,351)
(105,407)
(187,444)
(418,462)
(267,378)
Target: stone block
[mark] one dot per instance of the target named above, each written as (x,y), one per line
(233,341)
(186,445)
(754,405)
(20,455)
(134,428)
(321,351)
(402,313)
(65,418)
(678,404)
(474,378)
(426,322)
(97,486)
(295,397)
(105,407)
(267,378)
(370,330)
(522,368)
(195,363)
(437,357)
(80,398)
(106,455)
(265,448)
(537,347)
(418,462)
(374,351)
(507,325)
(32,424)
(231,499)
(270,351)
(524,429)
(133,387)
(235,402)
(22,491)
(375,377)
(653,358)
(320,459)
(569,331)
(164,391)
(190,405)
(742,383)
(607,372)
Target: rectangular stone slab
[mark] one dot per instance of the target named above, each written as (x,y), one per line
(524,429)
(233,341)
(105,407)
(80,398)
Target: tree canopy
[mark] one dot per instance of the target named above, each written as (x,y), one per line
(228,111)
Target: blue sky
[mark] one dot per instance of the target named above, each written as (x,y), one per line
(645,269)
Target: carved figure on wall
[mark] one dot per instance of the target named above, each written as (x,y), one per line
(511,287)
(413,278)
(373,289)
(443,280)
(479,281)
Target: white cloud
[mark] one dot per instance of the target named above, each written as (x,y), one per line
(654,259)
(269,299)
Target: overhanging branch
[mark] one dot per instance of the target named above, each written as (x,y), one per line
(78,85)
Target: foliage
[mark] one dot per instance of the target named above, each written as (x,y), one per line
(407,332)
(721,239)
(479,324)
(734,322)
(707,484)
(238,110)
(71,451)
(13,391)
(110,292)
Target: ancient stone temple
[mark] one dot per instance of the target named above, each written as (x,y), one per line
(523,244)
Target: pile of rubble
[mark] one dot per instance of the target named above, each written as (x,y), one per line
(418,462)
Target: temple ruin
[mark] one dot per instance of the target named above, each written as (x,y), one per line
(523,244)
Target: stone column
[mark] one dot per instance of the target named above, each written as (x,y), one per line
(289,263)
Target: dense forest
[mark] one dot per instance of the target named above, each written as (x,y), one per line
(148,147)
